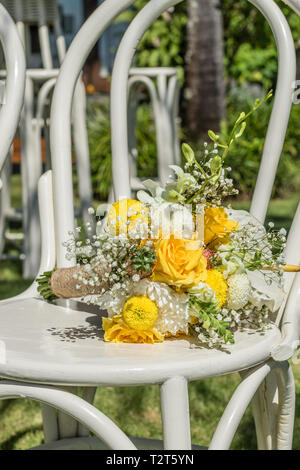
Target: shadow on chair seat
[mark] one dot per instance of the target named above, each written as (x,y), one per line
(44,344)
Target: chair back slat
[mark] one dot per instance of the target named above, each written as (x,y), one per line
(280,113)
(294,4)
(60,131)
(12,104)
(281,108)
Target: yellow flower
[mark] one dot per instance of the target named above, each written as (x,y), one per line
(117,332)
(217,227)
(179,263)
(125,215)
(216,281)
(140,313)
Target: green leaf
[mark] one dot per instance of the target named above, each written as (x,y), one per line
(188,153)
(214,137)
(216,164)
(241,131)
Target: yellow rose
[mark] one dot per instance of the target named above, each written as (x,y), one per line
(125,216)
(179,263)
(217,227)
(116,331)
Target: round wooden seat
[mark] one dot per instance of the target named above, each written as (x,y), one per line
(56,345)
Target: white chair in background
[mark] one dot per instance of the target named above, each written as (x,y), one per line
(45,15)
(162,85)
(294,4)
(40,366)
(11,102)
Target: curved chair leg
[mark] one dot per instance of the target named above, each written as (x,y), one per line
(274,415)
(74,406)
(58,425)
(175,414)
(237,406)
(274,409)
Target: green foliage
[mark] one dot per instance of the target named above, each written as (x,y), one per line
(98,124)
(163,45)
(44,286)
(244,157)
(143,259)
(250,48)
(207,313)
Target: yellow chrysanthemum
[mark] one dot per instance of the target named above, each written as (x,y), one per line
(216,281)
(140,313)
(116,331)
(125,215)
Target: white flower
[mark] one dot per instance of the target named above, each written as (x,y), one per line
(266,290)
(232,264)
(168,218)
(203,292)
(239,290)
(173,308)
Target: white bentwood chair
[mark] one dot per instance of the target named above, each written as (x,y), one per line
(162,84)
(45,15)
(37,364)
(12,94)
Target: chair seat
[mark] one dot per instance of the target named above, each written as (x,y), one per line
(43,343)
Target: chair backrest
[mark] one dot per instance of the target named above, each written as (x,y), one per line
(280,113)
(43,14)
(60,129)
(274,138)
(12,104)
(70,71)
(294,4)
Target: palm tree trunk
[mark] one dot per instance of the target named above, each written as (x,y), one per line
(204,68)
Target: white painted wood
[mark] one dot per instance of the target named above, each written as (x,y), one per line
(126,51)
(15,82)
(44,13)
(274,409)
(31,166)
(93,443)
(85,413)
(162,86)
(294,4)
(36,353)
(88,395)
(175,414)
(281,107)
(61,149)
(46,344)
(236,408)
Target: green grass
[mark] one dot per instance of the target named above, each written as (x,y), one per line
(136,409)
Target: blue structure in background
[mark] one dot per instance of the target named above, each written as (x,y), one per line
(72,16)
(72,13)
(108,45)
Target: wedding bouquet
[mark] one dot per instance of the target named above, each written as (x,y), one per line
(176,261)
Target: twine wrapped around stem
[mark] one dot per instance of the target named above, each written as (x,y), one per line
(63,283)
